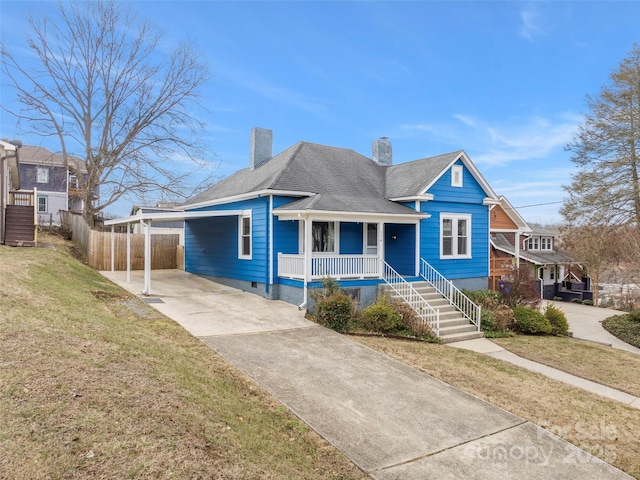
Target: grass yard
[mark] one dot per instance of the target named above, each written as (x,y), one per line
(96,384)
(606,428)
(605,365)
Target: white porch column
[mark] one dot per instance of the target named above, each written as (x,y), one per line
(147,257)
(113,248)
(128,253)
(307,259)
(380,229)
(517,251)
(417,269)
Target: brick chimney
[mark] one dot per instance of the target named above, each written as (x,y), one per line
(382,152)
(261,147)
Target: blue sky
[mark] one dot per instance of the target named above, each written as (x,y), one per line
(504,81)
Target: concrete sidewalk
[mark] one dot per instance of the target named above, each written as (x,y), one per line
(392,420)
(483,345)
(585,323)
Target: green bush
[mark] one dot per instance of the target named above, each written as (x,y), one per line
(381,317)
(558,299)
(557,319)
(334,311)
(587,302)
(530,321)
(488,321)
(333,308)
(576,300)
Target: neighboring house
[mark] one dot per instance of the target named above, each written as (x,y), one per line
(312,211)
(514,242)
(167,227)
(57,188)
(507,228)
(9,179)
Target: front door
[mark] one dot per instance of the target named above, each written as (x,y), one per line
(371,239)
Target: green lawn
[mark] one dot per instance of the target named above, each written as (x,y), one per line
(96,384)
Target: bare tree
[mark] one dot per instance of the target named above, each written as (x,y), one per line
(596,247)
(100,83)
(606,187)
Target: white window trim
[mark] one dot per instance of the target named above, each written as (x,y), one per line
(336,231)
(546,241)
(45,173)
(365,239)
(455,217)
(456,172)
(46,204)
(241,256)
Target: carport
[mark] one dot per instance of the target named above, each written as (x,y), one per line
(145,220)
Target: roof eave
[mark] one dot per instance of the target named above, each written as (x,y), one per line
(353,216)
(246,196)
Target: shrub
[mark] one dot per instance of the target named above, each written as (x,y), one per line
(557,319)
(530,321)
(576,300)
(413,323)
(381,317)
(488,321)
(558,299)
(587,302)
(505,318)
(333,308)
(335,311)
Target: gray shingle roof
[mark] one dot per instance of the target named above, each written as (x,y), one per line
(407,179)
(42,156)
(539,258)
(340,179)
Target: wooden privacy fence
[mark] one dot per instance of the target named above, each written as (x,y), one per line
(96,246)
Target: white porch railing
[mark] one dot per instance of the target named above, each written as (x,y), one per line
(334,266)
(404,289)
(447,289)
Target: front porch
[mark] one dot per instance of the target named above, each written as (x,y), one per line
(339,267)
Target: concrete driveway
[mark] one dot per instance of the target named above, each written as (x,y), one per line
(391,420)
(585,323)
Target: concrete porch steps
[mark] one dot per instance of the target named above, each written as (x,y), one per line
(454,327)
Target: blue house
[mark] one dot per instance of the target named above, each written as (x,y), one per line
(278,227)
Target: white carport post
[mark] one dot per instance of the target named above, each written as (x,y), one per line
(128,252)
(147,257)
(113,248)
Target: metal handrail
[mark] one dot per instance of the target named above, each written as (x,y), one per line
(453,294)
(410,295)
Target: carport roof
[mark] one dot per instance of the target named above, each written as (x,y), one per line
(173,216)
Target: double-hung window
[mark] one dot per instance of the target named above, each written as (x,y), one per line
(43,206)
(455,236)
(545,243)
(244,237)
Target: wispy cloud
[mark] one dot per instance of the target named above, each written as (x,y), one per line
(519,139)
(532,25)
